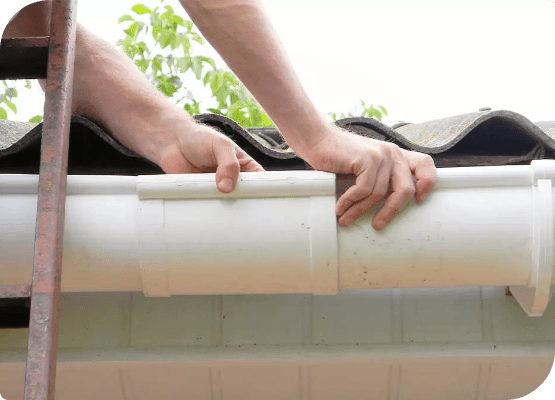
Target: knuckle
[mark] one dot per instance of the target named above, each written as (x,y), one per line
(389,149)
(362,193)
(231,164)
(394,210)
(432,181)
(408,190)
(428,159)
(394,149)
(378,194)
(375,155)
(349,198)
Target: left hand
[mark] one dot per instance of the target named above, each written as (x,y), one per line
(379,167)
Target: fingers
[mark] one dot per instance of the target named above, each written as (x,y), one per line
(230,160)
(397,169)
(424,170)
(403,190)
(368,196)
(247,163)
(362,189)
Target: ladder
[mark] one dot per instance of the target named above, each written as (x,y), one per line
(52,58)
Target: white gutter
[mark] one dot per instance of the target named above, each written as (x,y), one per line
(277,233)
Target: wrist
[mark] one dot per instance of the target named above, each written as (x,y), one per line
(304,132)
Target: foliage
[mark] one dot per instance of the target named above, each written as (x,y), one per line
(367,111)
(169,51)
(37,119)
(167,48)
(170,34)
(10,92)
(7,98)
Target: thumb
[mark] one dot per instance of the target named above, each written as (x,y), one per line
(227,171)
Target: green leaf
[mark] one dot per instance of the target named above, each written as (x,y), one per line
(11,92)
(215,111)
(167,38)
(196,67)
(156,31)
(133,30)
(143,65)
(209,61)
(184,63)
(233,97)
(166,86)
(176,19)
(142,47)
(216,82)
(266,121)
(37,119)
(11,105)
(124,18)
(140,9)
(157,63)
(3,114)
(184,42)
(207,77)
(197,38)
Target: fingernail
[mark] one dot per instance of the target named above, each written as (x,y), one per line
(379,225)
(226,185)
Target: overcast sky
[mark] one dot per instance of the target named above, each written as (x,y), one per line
(422,60)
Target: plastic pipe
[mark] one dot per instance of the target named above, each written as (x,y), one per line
(277,233)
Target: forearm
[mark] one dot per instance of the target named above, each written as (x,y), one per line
(109,88)
(242,34)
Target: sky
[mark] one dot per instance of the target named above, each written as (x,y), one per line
(422,60)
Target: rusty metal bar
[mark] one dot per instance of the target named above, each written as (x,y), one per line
(40,373)
(15,291)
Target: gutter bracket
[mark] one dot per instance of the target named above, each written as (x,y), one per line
(535,297)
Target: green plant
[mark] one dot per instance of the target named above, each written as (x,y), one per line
(7,98)
(366,111)
(10,92)
(168,49)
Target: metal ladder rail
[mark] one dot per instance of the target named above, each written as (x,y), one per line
(40,371)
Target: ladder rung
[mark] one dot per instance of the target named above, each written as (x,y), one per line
(15,291)
(24,58)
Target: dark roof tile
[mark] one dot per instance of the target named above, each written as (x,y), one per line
(482,138)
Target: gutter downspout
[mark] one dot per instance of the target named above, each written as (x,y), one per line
(277,233)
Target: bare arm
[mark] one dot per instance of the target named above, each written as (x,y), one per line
(241,32)
(110,89)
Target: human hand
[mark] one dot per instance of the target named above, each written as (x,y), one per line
(378,167)
(199,148)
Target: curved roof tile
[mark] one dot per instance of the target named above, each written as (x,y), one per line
(481,138)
